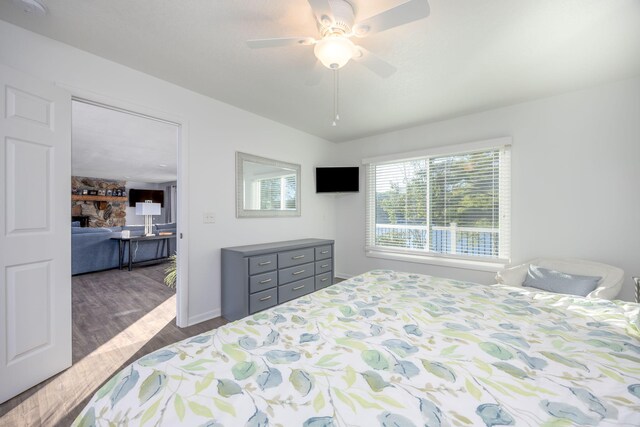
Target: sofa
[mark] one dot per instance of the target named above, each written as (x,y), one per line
(92,249)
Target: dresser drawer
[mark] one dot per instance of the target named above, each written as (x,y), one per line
(263,300)
(262,264)
(292,274)
(323,280)
(323,252)
(301,256)
(263,281)
(295,290)
(323,266)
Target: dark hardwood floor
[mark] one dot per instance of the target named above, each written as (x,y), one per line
(118,316)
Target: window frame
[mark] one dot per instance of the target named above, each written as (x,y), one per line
(435,258)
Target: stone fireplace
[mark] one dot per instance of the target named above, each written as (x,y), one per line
(99,210)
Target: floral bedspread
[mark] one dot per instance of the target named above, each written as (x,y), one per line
(394,349)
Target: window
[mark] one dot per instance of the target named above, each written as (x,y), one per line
(451,204)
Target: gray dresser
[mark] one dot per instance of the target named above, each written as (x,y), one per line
(256,277)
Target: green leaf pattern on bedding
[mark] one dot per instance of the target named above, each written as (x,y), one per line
(394,349)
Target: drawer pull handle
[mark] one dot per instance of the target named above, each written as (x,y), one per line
(295,273)
(265,298)
(324,280)
(297,257)
(324,266)
(264,263)
(262,282)
(297,288)
(324,252)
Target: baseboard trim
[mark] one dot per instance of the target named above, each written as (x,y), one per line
(208,315)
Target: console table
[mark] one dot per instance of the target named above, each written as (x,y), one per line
(124,241)
(257,277)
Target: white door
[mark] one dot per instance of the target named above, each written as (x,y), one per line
(35,221)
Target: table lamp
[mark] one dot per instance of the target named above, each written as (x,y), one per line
(148,209)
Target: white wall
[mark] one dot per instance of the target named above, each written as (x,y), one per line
(575,167)
(215,131)
(575,187)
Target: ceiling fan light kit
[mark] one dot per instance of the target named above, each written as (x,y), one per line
(334,52)
(337,24)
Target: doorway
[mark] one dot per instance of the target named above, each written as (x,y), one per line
(125,182)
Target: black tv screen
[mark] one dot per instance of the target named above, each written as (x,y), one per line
(141,196)
(338,179)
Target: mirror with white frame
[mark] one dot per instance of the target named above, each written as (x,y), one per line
(266,187)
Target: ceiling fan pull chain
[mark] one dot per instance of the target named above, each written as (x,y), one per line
(335,97)
(336,81)
(337,93)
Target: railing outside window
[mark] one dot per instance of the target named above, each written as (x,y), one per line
(447,240)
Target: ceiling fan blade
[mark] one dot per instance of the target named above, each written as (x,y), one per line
(316,75)
(322,11)
(373,62)
(286,41)
(410,11)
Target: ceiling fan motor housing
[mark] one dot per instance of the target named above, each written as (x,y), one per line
(343,19)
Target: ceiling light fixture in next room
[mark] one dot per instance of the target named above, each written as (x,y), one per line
(36,7)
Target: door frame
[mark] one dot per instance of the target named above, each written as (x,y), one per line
(182,237)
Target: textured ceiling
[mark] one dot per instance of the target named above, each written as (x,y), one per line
(467,56)
(111,144)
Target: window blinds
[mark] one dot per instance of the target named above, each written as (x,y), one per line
(453,205)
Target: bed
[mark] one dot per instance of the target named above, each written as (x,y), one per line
(394,349)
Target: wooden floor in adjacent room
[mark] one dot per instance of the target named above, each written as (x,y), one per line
(118,316)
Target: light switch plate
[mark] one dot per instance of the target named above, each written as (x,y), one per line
(209,217)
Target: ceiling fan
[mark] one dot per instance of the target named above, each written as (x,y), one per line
(336,22)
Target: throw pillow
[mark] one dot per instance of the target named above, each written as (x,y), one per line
(558,282)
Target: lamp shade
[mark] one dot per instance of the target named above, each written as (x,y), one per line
(334,51)
(148,209)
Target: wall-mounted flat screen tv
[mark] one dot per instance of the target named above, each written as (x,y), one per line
(338,179)
(156,196)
